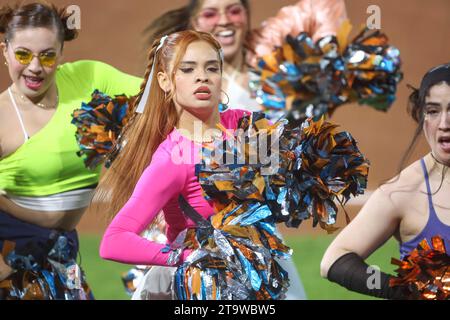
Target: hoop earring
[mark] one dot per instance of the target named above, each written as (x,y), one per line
(228,98)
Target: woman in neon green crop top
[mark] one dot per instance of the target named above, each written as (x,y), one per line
(44,185)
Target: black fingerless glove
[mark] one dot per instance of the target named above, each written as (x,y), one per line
(351,272)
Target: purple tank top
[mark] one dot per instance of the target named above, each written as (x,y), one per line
(434,226)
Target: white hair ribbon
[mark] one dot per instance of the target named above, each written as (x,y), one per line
(142,103)
(221,55)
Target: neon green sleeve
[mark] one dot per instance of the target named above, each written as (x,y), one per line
(84,76)
(112,81)
(48,163)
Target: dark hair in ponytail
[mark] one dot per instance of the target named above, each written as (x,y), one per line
(415,109)
(177,20)
(6,13)
(35,15)
(416,105)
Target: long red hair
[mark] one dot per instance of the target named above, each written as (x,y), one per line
(147,130)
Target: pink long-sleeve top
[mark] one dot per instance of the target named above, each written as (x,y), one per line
(319,18)
(170,173)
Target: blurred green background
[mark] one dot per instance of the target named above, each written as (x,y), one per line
(104,276)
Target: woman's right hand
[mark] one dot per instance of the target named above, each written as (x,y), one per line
(5,269)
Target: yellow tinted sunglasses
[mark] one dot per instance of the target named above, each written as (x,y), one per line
(47,59)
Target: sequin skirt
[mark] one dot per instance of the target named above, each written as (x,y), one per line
(44,263)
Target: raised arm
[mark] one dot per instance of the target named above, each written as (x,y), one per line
(103,77)
(160,182)
(317,17)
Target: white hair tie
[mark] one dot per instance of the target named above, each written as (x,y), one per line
(143,102)
(221,55)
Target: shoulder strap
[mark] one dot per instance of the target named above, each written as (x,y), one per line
(427,181)
(192,214)
(18,114)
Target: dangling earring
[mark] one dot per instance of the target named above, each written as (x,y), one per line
(6,63)
(228,100)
